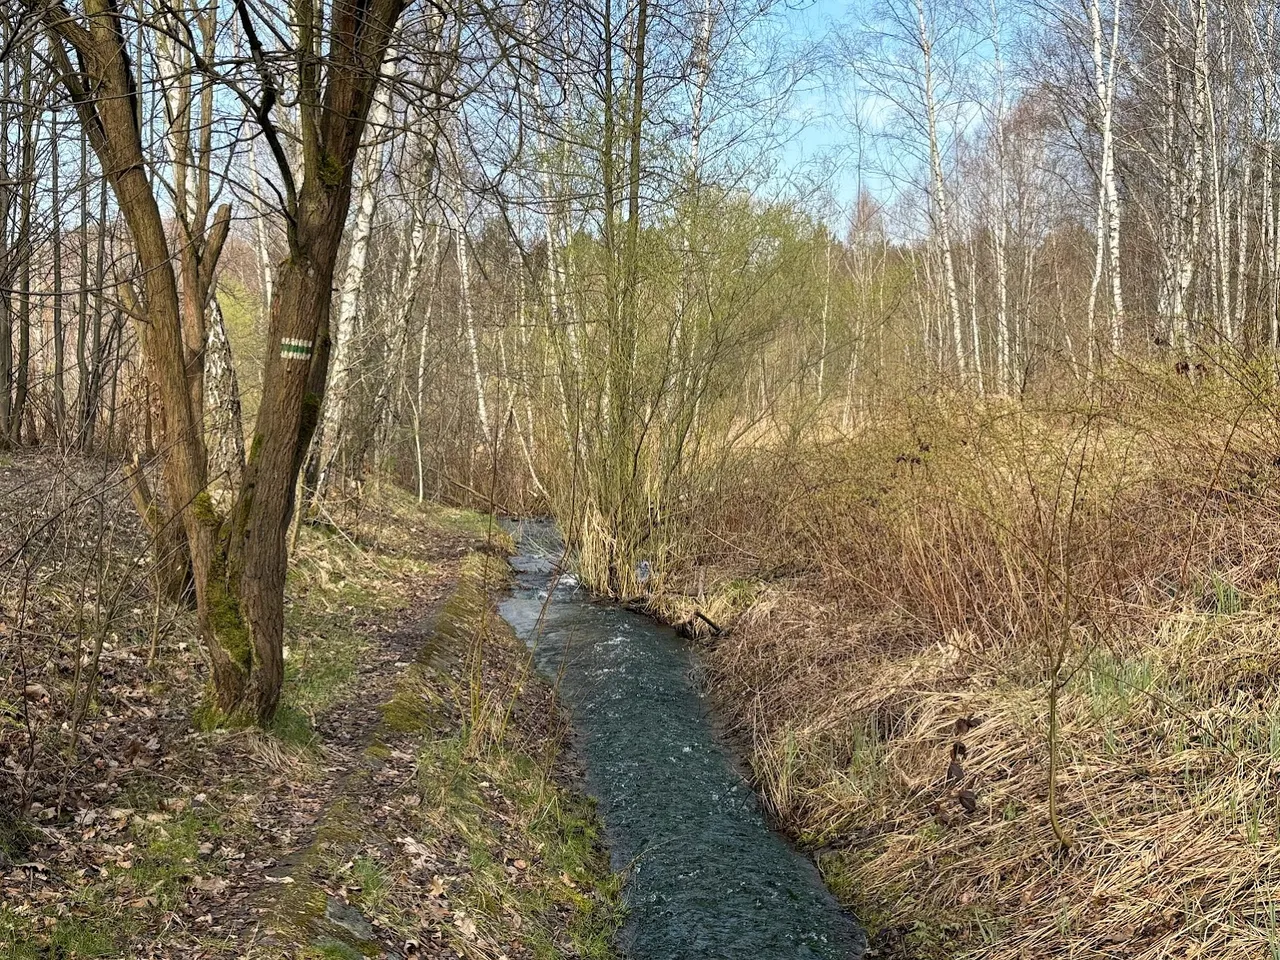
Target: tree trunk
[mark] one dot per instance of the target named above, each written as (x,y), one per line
(224,399)
(8,261)
(59,346)
(463,258)
(82,297)
(23,250)
(239,561)
(344,327)
(941,209)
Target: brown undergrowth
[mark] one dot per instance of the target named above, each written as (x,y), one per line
(128,830)
(1010,669)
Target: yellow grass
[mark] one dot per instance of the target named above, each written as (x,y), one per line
(931,577)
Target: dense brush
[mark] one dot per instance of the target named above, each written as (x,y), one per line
(933,577)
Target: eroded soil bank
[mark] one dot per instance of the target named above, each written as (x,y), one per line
(412,799)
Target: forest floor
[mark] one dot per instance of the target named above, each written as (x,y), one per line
(411,800)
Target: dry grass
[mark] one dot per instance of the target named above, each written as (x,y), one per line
(931,579)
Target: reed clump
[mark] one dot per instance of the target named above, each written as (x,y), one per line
(1081,592)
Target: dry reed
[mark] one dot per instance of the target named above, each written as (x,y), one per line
(932,576)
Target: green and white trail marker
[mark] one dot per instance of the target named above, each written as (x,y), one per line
(295,349)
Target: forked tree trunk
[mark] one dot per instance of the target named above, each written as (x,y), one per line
(238,561)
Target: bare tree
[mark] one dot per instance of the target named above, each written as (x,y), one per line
(238,558)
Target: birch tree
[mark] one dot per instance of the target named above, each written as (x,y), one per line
(344,330)
(1105,53)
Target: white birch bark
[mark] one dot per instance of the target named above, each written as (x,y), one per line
(1170,220)
(1110,187)
(223,394)
(979,376)
(940,209)
(1220,210)
(1271,186)
(826,317)
(1105,53)
(1270,238)
(1000,229)
(463,259)
(1243,231)
(343,329)
(1193,212)
(420,383)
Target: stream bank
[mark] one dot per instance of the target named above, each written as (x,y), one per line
(460,832)
(705,874)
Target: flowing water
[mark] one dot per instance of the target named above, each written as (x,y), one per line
(706,877)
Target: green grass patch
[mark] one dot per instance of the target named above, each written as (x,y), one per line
(69,937)
(293,726)
(460,522)
(1113,684)
(323,653)
(565,884)
(373,882)
(405,713)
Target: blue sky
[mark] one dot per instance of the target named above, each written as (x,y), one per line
(825,147)
(822,144)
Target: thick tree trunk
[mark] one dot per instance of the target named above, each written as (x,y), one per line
(105,99)
(248,572)
(239,561)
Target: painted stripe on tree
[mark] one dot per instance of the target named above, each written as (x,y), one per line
(291,349)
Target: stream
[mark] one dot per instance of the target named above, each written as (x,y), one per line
(705,875)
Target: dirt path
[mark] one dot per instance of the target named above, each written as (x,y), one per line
(409,801)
